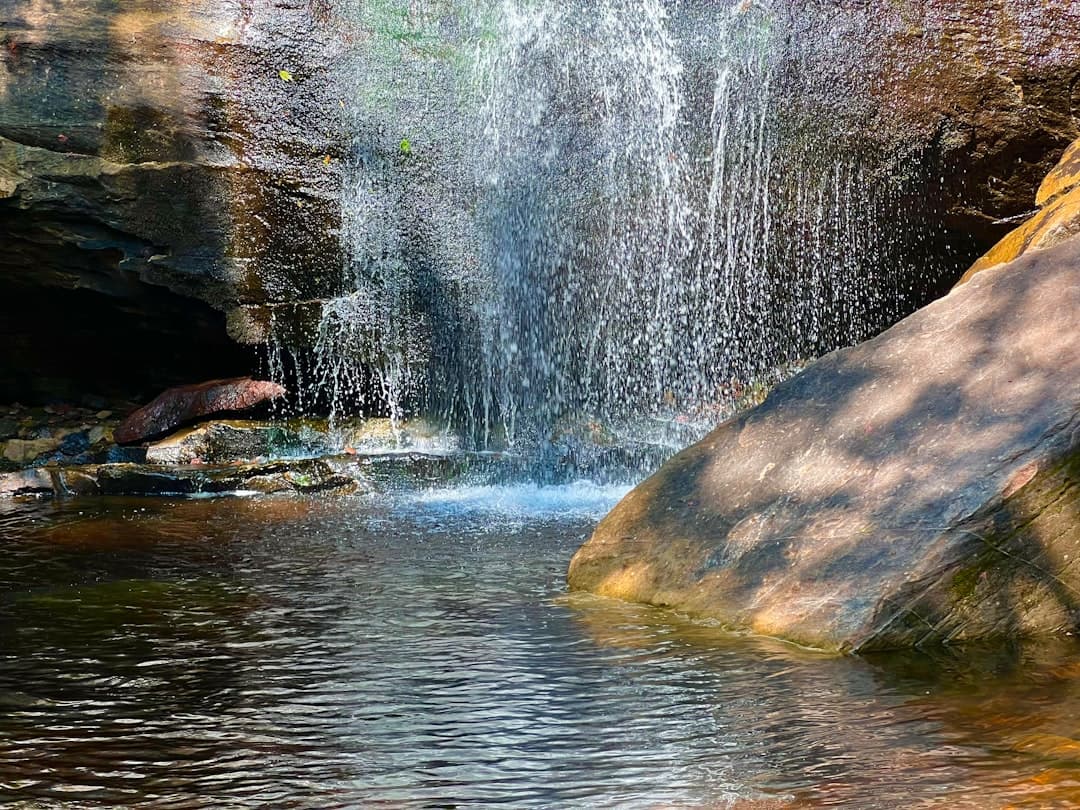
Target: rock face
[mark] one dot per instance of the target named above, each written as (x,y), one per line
(172,136)
(1056,222)
(988,91)
(187,403)
(156,172)
(163,181)
(921,487)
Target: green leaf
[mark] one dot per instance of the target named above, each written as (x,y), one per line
(285,75)
(406,147)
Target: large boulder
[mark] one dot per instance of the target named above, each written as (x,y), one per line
(187,403)
(921,487)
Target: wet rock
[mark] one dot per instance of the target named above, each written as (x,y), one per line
(274,483)
(115,454)
(26,451)
(37,432)
(921,487)
(36,481)
(76,481)
(226,441)
(147,479)
(1058,221)
(984,92)
(186,403)
(75,443)
(229,440)
(336,474)
(382,435)
(412,470)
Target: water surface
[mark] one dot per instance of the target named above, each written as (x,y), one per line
(418,650)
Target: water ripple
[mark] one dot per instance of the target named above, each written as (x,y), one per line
(420,652)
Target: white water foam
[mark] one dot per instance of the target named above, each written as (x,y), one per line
(581,499)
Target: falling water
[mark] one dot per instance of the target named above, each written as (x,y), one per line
(583,211)
(597,212)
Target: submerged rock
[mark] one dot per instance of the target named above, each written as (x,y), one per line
(921,487)
(185,403)
(152,479)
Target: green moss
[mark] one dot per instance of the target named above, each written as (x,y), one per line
(142,134)
(406,37)
(965,581)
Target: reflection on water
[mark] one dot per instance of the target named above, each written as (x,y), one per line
(420,652)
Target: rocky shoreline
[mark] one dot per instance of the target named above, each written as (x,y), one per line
(65,451)
(68,451)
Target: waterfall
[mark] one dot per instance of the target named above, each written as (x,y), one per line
(596,212)
(583,219)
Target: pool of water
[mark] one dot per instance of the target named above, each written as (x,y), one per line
(419,650)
